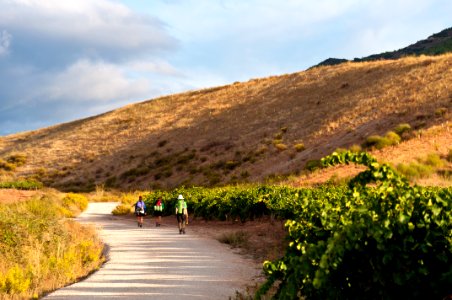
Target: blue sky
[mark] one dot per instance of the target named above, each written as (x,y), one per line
(65,60)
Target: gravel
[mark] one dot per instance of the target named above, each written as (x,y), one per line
(158,263)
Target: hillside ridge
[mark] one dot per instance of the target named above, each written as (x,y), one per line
(244,132)
(436,44)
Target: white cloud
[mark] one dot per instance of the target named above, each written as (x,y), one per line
(91,82)
(5,42)
(90,24)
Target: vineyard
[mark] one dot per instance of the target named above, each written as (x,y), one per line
(376,238)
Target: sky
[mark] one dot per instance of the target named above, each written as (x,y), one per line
(65,60)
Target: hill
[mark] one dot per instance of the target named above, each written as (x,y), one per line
(436,44)
(246,131)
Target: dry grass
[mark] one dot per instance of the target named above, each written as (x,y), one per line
(368,98)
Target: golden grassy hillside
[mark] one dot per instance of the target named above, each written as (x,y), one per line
(245,131)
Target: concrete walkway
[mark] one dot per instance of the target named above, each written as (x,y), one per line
(158,263)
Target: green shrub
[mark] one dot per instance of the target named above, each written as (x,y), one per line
(434,160)
(415,170)
(402,128)
(381,239)
(440,111)
(299,147)
(393,137)
(281,147)
(379,142)
(312,165)
(21,185)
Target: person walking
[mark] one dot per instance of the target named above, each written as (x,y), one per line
(181,213)
(158,211)
(140,210)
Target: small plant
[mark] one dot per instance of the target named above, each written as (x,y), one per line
(375,141)
(75,202)
(299,147)
(281,146)
(434,160)
(4,165)
(355,148)
(238,239)
(402,128)
(440,111)
(122,209)
(162,143)
(17,159)
(312,165)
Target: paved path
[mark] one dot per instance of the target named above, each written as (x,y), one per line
(157,263)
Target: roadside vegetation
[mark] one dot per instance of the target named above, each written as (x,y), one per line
(375,237)
(40,249)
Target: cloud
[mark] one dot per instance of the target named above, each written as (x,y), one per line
(5,42)
(73,59)
(61,31)
(87,81)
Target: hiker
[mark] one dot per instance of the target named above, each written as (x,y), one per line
(158,211)
(140,211)
(181,214)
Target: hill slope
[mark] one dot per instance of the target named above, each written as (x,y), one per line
(436,44)
(239,132)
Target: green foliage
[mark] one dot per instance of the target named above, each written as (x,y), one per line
(375,141)
(299,147)
(434,160)
(312,165)
(415,170)
(402,128)
(21,185)
(379,239)
(421,168)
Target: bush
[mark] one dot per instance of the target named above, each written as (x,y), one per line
(17,159)
(402,128)
(235,239)
(299,147)
(7,166)
(393,137)
(75,202)
(40,251)
(415,170)
(449,156)
(381,239)
(379,142)
(281,147)
(122,209)
(355,148)
(434,160)
(312,165)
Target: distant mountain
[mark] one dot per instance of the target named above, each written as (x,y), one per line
(436,44)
